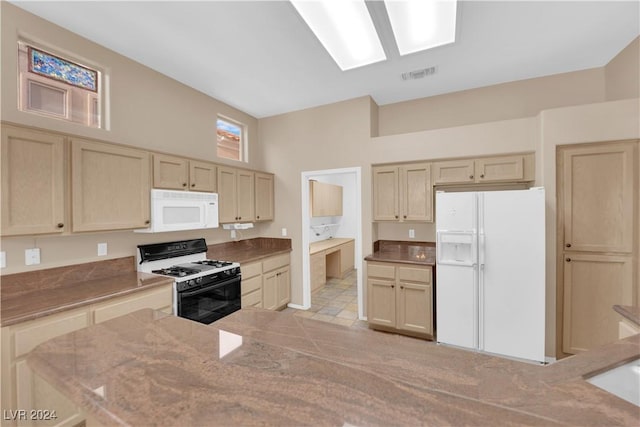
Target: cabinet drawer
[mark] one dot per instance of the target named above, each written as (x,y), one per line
(47,328)
(250,285)
(384,271)
(251,270)
(275,262)
(422,275)
(253,299)
(155,299)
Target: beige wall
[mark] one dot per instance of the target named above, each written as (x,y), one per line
(147,109)
(622,73)
(524,98)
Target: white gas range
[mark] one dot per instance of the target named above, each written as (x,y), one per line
(204,290)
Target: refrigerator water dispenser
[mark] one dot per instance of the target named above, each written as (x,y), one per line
(457,248)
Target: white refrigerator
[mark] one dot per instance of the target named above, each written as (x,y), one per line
(490,271)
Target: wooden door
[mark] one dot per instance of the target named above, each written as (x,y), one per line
(453,172)
(598,197)
(202,176)
(264,197)
(592,285)
(227,194)
(382,302)
(110,186)
(245,196)
(33,184)
(497,169)
(416,192)
(386,204)
(414,308)
(170,172)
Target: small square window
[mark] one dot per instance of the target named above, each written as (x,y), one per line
(56,87)
(230,139)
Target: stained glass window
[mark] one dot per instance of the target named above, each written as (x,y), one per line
(229,139)
(60,69)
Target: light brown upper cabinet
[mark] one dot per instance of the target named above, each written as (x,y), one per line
(33,183)
(110,186)
(496,169)
(177,173)
(236,195)
(597,191)
(264,196)
(326,199)
(403,193)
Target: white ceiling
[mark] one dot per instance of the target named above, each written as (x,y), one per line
(260,57)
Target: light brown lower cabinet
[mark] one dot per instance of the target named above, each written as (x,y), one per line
(400,298)
(266,283)
(23,390)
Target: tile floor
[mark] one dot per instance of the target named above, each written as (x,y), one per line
(336,302)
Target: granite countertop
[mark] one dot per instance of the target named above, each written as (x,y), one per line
(420,253)
(249,250)
(629,312)
(323,245)
(31,295)
(269,368)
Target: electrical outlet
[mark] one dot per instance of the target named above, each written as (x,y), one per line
(32,256)
(284,232)
(3,259)
(102,249)
(412,233)
(233,234)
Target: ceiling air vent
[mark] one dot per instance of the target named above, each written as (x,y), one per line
(419,74)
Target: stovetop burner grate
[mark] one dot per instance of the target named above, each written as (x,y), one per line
(175,271)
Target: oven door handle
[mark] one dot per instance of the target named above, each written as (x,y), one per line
(207,288)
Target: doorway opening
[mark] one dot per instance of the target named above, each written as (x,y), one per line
(346,226)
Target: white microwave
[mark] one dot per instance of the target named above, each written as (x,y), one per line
(182,210)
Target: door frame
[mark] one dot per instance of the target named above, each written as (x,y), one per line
(306,227)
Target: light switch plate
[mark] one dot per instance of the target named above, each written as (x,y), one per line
(412,233)
(32,256)
(3,259)
(102,249)
(284,232)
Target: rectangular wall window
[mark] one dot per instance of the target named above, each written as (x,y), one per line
(53,86)
(230,139)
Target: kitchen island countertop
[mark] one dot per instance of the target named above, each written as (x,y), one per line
(262,367)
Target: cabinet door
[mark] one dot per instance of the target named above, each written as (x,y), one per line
(170,172)
(598,197)
(386,203)
(382,302)
(497,169)
(32,182)
(415,308)
(318,270)
(592,285)
(110,187)
(227,194)
(264,197)
(270,290)
(453,172)
(283,286)
(417,192)
(347,257)
(202,176)
(246,196)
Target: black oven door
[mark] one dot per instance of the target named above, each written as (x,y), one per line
(210,302)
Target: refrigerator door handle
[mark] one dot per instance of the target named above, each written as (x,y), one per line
(481,251)
(480,307)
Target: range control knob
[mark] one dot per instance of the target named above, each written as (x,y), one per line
(199,280)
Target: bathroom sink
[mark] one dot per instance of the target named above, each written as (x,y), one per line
(623,381)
